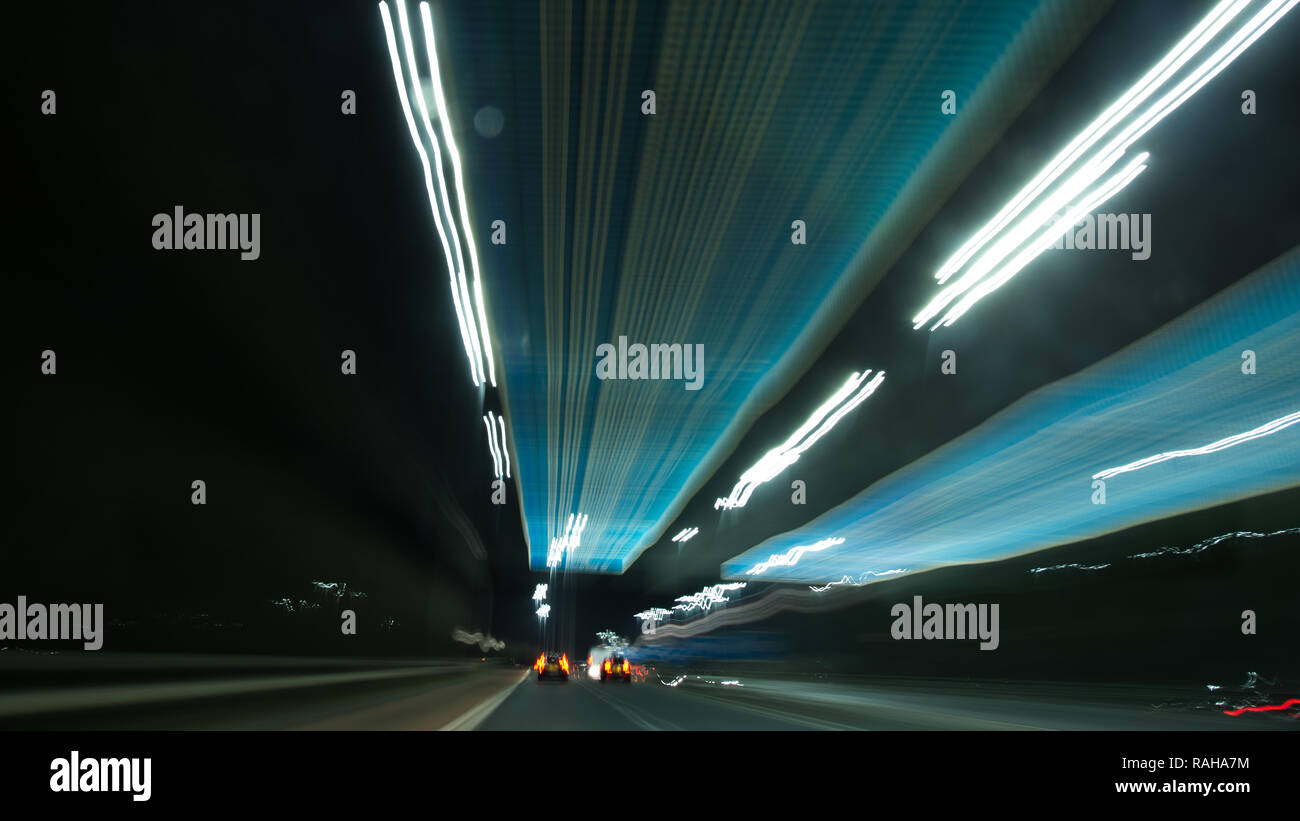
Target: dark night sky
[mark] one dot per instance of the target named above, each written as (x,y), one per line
(175,366)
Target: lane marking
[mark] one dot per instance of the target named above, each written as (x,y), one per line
(637,716)
(473,717)
(772,713)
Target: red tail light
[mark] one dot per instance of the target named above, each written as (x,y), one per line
(607,667)
(624,665)
(564,664)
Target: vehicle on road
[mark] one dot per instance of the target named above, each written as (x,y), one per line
(552,665)
(616,667)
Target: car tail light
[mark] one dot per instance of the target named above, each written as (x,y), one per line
(564,664)
(625,665)
(607,667)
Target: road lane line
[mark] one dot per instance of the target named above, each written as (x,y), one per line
(475,716)
(770,712)
(639,717)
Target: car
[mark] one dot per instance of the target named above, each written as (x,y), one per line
(615,667)
(552,665)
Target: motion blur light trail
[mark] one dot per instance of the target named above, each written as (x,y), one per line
(1291,702)
(658,227)
(851,394)
(1023,480)
(562,546)
(1127,119)
(1266,429)
(708,597)
(792,556)
(470,311)
(863,578)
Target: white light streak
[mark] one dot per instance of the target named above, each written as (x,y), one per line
(456,272)
(706,598)
(1265,429)
(544,611)
(793,555)
(851,394)
(562,545)
(1048,237)
(445,119)
(655,613)
(686,535)
(540,593)
(492,444)
(1184,50)
(505,454)
(859,581)
(471,310)
(1006,235)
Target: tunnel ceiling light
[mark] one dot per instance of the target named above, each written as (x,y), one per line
(1016,233)
(657,259)
(862,579)
(853,393)
(539,594)
(544,611)
(654,613)
(562,546)
(492,445)
(1028,478)
(1266,429)
(792,556)
(686,534)
(505,454)
(444,120)
(471,313)
(708,597)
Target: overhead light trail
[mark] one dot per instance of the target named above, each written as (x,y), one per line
(654,613)
(400,81)
(686,535)
(561,546)
(492,445)
(505,454)
(1046,239)
(1266,429)
(426,122)
(859,581)
(471,312)
(792,556)
(844,400)
(708,597)
(667,258)
(449,133)
(1026,479)
(704,600)
(539,594)
(1003,242)
(1090,136)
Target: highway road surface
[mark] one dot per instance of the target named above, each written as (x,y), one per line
(232,693)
